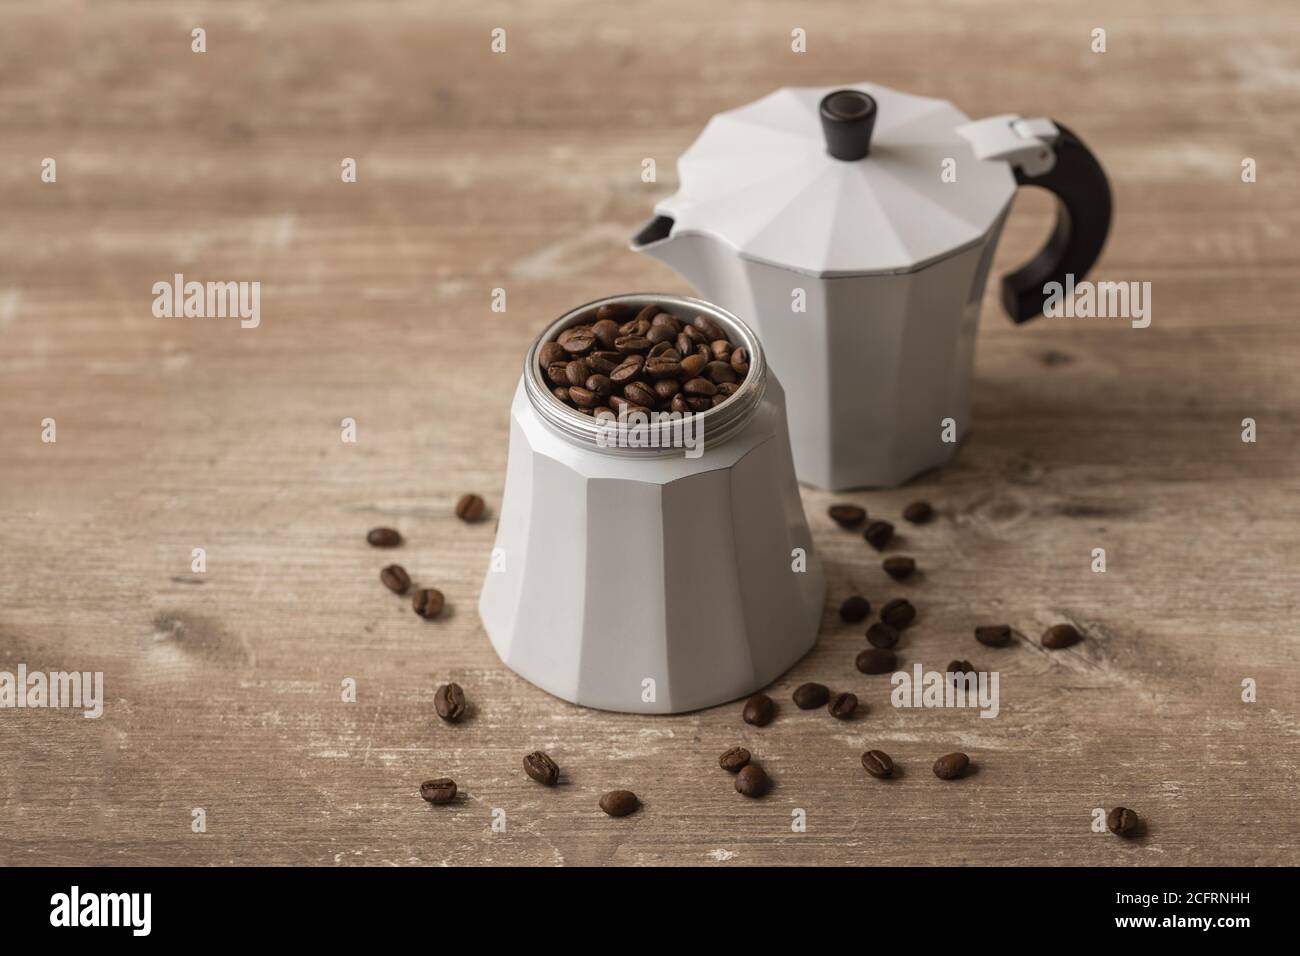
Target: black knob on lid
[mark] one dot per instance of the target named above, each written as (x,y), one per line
(848,118)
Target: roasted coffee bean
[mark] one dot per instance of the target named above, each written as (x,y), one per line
(470,507)
(661,335)
(720,373)
(847,516)
(709,328)
(700,386)
(692,365)
(383,537)
(759,710)
(993,635)
(960,667)
(646,316)
(619,803)
(882,635)
(842,706)
(658,368)
(640,393)
(562,393)
(604,413)
(558,374)
(666,388)
(599,384)
(727,389)
(449,702)
(551,353)
(740,361)
(734,759)
(876,660)
(606,332)
(810,695)
(878,764)
(898,567)
(577,372)
(898,613)
(615,312)
(602,363)
(395,578)
(698,403)
(428,603)
(1060,636)
(628,371)
(661,348)
(442,790)
(583,398)
(618,402)
(951,766)
(752,781)
(684,344)
(695,336)
(855,609)
(633,343)
(667,320)
(542,768)
(1123,822)
(717,400)
(918,512)
(576,340)
(878,534)
(720,351)
(679,405)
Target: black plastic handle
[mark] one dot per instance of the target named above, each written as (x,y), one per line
(1083,211)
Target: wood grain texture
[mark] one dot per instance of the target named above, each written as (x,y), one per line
(522,171)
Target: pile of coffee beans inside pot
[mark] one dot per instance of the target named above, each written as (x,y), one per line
(647,359)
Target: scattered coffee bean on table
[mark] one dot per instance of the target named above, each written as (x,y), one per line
(449,702)
(384,537)
(470,507)
(993,635)
(811,695)
(395,578)
(654,361)
(899,567)
(542,768)
(759,710)
(619,803)
(918,512)
(961,667)
(898,613)
(442,790)
(1060,636)
(855,609)
(843,706)
(1123,822)
(876,660)
(879,534)
(882,635)
(878,764)
(752,781)
(847,516)
(951,766)
(734,760)
(428,603)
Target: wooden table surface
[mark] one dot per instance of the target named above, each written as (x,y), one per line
(522,171)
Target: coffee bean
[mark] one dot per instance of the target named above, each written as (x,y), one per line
(576,340)
(1060,636)
(699,386)
(640,393)
(633,343)
(577,372)
(810,695)
(599,385)
(727,389)
(692,365)
(960,667)
(842,706)
(666,388)
(562,393)
(708,327)
(847,516)
(646,316)
(679,405)
(878,534)
(667,320)
(449,702)
(583,398)
(661,334)
(740,361)
(542,768)
(993,635)
(550,353)
(878,764)
(619,803)
(882,635)
(698,403)
(470,507)
(855,609)
(876,660)
(628,371)
(898,567)
(658,368)
(383,537)
(951,766)
(428,603)
(752,781)
(898,613)
(734,759)
(615,312)
(1123,822)
(720,351)
(720,373)
(442,790)
(918,512)
(759,710)
(558,374)
(605,331)
(602,363)
(395,578)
